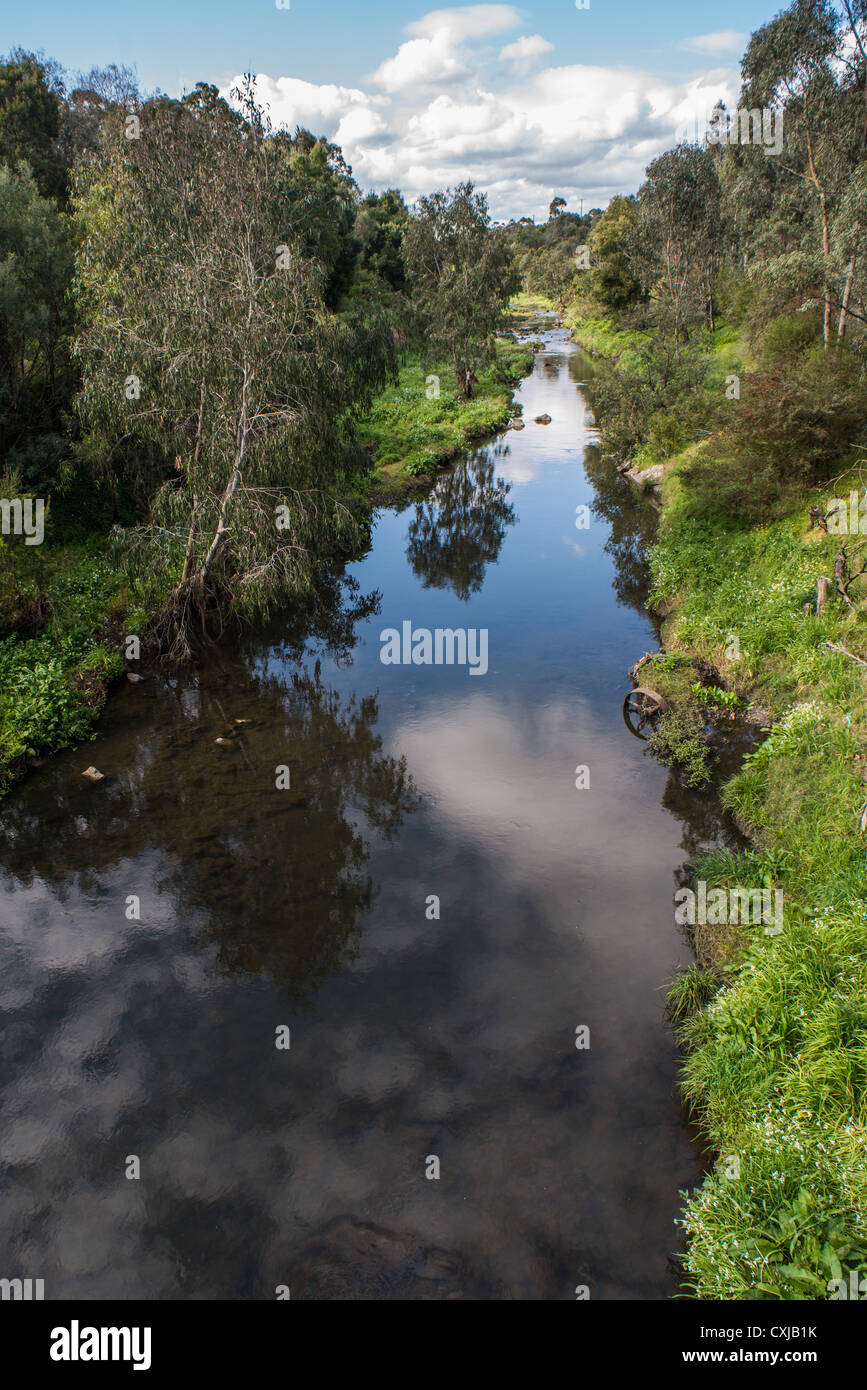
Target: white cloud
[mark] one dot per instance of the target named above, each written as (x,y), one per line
(580,131)
(724,41)
(466,22)
(340,113)
(530,46)
(421,62)
(432,55)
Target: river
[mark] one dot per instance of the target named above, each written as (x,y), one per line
(423,919)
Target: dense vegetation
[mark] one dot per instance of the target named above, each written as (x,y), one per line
(729,299)
(214,349)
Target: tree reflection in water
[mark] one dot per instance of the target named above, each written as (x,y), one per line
(275,880)
(460,528)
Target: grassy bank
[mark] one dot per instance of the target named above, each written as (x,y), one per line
(65,608)
(422,423)
(774,1026)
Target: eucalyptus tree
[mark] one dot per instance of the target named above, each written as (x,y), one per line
(793,61)
(380,226)
(610,282)
(36,378)
(461,276)
(678,240)
(206,340)
(854,213)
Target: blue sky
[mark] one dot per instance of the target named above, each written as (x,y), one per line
(528,100)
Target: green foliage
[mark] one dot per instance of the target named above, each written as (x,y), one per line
(36,376)
(714,695)
(679,740)
(409,427)
(462,278)
(209,354)
(791,335)
(550,272)
(380,226)
(676,244)
(796,417)
(692,988)
(611,284)
(654,396)
(30,121)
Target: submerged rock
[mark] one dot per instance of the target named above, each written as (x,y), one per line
(355,1259)
(543,419)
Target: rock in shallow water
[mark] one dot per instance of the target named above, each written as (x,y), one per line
(354,1259)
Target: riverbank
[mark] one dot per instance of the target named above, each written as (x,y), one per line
(773,1023)
(422,424)
(68,606)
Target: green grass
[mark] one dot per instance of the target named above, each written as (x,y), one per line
(774,1027)
(530,303)
(777,1064)
(418,431)
(53,684)
(603,338)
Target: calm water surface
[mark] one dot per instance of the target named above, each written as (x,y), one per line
(306,908)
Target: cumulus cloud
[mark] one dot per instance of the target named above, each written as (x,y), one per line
(421,62)
(340,113)
(467,22)
(578,130)
(530,46)
(724,41)
(432,54)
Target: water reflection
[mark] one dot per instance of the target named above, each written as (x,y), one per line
(457,532)
(278,877)
(631,520)
(411,1035)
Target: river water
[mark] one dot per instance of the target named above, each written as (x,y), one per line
(423,1038)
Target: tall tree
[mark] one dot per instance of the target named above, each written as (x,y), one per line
(462,278)
(677,241)
(36,376)
(30,99)
(380,227)
(791,60)
(206,338)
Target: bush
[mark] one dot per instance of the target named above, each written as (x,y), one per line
(679,741)
(791,335)
(794,419)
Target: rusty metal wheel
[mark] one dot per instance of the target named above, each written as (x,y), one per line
(641,706)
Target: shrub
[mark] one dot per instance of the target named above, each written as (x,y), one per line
(791,335)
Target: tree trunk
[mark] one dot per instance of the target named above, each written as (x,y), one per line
(850,276)
(189,557)
(826,237)
(233,484)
